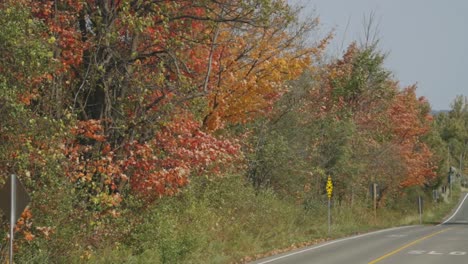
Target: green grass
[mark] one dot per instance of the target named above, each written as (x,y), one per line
(226,221)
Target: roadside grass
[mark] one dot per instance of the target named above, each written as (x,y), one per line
(226,221)
(223,220)
(438,212)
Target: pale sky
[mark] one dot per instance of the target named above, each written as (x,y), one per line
(426,40)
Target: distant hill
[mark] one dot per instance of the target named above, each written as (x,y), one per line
(436,112)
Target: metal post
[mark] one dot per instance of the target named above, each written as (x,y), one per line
(374,193)
(450,171)
(420,209)
(329,215)
(451,180)
(461,162)
(12,215)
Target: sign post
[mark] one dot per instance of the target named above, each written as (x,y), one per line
(329,194)
(450,182)
(374,197)
(13,201)
(12,215)
(420,209)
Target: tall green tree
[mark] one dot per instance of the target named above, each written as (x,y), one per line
(453,128)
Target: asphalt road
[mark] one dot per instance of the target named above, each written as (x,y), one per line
(446,243)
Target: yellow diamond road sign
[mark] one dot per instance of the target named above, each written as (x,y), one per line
(329,187)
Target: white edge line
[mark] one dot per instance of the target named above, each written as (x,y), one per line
(456,211)
(334,242)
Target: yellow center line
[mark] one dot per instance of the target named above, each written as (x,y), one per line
(406,246)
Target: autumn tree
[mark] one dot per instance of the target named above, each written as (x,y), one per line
(26,137)
(130,72)
(127,93)
(351,122)
(348,99)
(253,65)
(30,143)
(410,122)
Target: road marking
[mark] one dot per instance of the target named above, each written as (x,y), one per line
(457,253)
(425,252)
(456,211)
(406,246)
(332,242)
(417,252)
(401,235)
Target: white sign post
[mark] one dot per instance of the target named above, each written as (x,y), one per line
(12,215)
(13,201)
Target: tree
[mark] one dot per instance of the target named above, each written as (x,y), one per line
(410,122)
(453,130)
(133,71)
(358,126)
(253,65)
